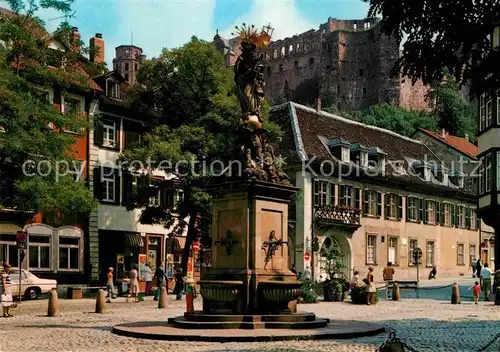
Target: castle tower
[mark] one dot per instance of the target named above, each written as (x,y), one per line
(127,62)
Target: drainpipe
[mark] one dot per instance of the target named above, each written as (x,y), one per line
(313,221)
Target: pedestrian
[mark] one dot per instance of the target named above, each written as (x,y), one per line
(179,284)
(355,281)
(161,279)
(109,284)
(388,272)
(478,269)
(370,288)
(486,281)
(148,277)
(134,283)
(190,295)
(473,264)
(6,297)
(476,290)
(433,273)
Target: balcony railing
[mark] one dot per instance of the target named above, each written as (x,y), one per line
(338,215)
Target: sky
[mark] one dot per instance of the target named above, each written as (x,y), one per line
(157,24)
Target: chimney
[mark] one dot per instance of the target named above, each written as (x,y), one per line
(467,137)
(318,104)
(97,48)
(75,38)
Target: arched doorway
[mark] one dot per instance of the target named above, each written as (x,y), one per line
(338,244)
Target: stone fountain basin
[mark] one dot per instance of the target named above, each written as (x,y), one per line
(220,290)
(279,291)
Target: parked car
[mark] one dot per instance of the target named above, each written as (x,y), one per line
(31,285)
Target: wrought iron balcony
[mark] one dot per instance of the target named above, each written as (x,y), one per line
(338,215)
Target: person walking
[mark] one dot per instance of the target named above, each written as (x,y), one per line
(370,289)
(161,279)
(109,284)
(388,272)
(148,277)
(478,269)
(476,290)
(6,297)
(473,265)
(179,284)
(134,283)
(486,281)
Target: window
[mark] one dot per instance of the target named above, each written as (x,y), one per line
(154,200)
(371,249)
(71,105)
(489,112)
(69,253)
(311,61)
(109,134)
(429,254)
(472,219)
(108,181)
(367,25)
(364,91)
(136,67)
(460,216)
(324,193)
(393,206)
(413,206)
(39,251)
(112,89)
(268,71)
(126,77)
(281,67)
(361,73)
(296,65)
(392,250)
(413,243)
(355,26)
(447,214)
(482,112)
(283,51)
(472,254)
(372,203)
(460,254)
(275,53)
(126,67)
(488,173)
(290,49)
(349,196)
(8,249)
(364,159)
(482,176)
(297,47)
(431,212)
(346,154)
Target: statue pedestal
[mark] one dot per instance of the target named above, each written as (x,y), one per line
(249,273)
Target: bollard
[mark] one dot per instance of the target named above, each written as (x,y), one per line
(100,302)
(455,294)
(395,292)
(497,296)
(162,302)
(53,309)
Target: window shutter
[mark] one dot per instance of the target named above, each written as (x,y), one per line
(342,195)
(332,194)
(116,174)
(478,221)
(365,201)
(387,207)
(379,204)
(438,212)
(127,188)
(97,183)
(400,207)
(98,133)
(467,218)
(408,201)
(316,193)
(426,211)
(356,197)
(421,210)
(453,219)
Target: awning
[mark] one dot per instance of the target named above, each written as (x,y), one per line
(175,245)
(134,240)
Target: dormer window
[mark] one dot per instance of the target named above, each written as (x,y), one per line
(340,149)
(113,89)
(457,178)
(422,169)
(359,154)
(376,158)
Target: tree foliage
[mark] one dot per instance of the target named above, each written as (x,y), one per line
(199,111)
(34,157)
(443,37)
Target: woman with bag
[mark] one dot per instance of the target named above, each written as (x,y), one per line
(370,288)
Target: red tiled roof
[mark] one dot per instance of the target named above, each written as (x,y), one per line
(459,143)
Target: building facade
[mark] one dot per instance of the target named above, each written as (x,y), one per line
(461,154)
(346,62)
(376,196)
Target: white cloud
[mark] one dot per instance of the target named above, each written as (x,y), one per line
(283,15)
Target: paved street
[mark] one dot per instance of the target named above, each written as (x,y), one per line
(426,325)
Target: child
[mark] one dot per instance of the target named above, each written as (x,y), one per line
(6,300)
(476,290)
(190,295)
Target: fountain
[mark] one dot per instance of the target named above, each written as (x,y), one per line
(249,287)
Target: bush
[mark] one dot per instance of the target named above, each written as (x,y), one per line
(307,292)
(358,296)
(333,291)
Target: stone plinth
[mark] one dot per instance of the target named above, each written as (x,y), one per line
(250,245)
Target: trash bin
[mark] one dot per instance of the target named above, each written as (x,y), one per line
(75,293)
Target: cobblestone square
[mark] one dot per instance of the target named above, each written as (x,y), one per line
(425,324)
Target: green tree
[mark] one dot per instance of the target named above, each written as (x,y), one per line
(34,157)
(443,37)
(396,119)
(451,111)
(195,96)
